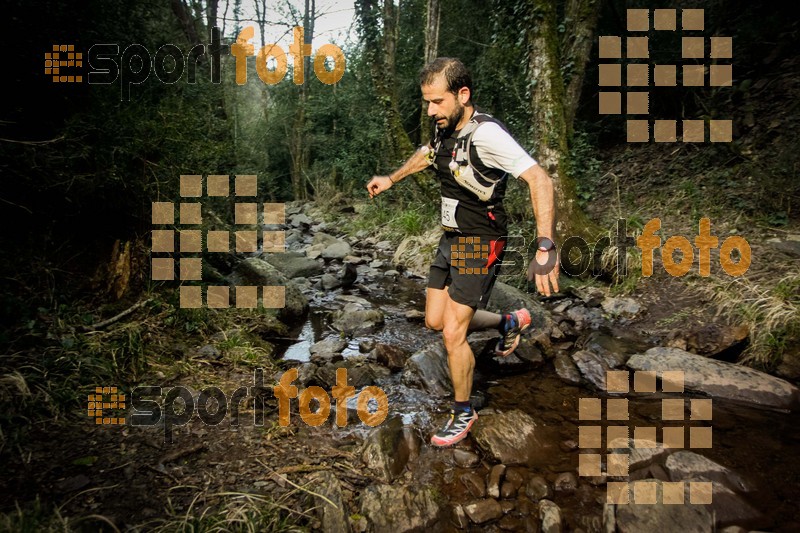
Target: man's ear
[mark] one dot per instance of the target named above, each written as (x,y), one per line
(463,95)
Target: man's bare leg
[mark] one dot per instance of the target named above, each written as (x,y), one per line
(436,302)
(460,358)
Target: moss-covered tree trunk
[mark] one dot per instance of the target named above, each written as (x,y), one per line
(550,120)
(379,47)
(431,50)
(580,18)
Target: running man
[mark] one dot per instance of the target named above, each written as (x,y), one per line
(473,154)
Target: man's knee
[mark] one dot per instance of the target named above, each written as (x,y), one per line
(434,323)
(454,336)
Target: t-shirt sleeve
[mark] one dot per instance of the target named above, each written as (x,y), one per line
(497,149)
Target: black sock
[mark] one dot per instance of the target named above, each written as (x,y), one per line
(462,406)
(502,327)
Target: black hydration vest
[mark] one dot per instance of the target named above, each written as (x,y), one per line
(478,189)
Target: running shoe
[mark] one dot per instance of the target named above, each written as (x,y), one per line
(456,427)
(520,321)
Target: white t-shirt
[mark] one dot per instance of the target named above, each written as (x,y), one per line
(497,149)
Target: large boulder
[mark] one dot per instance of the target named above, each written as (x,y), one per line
(295,265)
(388,449)
(416,253)
(637,517)
(506,298)
(510,438)
(427,370)
(719,379)
(353,320)
(257,272)
(396,509)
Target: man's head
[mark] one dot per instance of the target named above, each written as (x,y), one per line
(447,87)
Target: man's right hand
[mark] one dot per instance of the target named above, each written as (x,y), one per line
(378,184)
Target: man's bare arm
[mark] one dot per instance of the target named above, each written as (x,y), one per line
(416,163)
(544,267)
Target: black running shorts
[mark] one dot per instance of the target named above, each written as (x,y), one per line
(468,265)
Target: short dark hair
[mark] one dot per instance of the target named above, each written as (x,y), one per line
(455,74)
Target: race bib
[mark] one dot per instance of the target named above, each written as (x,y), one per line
(449,212)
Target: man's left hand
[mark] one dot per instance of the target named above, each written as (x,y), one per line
(544,270)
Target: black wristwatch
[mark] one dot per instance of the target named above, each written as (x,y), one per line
(543,244)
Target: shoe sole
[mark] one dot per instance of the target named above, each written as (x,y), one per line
(458,438)
(514,344)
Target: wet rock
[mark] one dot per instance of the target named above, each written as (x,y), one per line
(256,272)
(328,349)
(509,438)
(390,356)
(388,449)
(712,339)
(415,316)
(590,296)
(789,367)
(510,523)
(566,369)
(465,459)
(366,346)
(585,317)
(383,245)
(609,518)
(358,375)
(348,275)
(483,511)
(508,490)
(550,516)
(686,518)
(332,517)
(538,489)
(300,221)
(685,465)
(428,370)
(329,282)
(394,509)
(641,452)
(529,352)
(507,506)
(356,321)
(391,273)
(474,484)
(305,373)
(324,238)
(514,477)
(592,366)
(506,298)
(459,517)
(627,307)
(294,265)
(566,482)
(728,507)
(337,250)
(493,482)
(719,379)
(416,252)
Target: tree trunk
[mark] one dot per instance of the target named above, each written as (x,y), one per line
(298,147)
(581,20)
(548,104)
(211,16)
(431,51)
(379,49)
